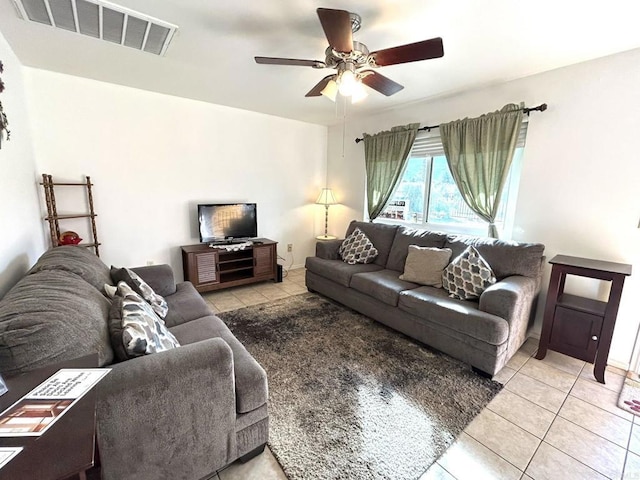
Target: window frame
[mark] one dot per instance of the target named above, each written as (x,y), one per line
(505,228)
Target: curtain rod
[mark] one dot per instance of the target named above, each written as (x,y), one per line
(540,108)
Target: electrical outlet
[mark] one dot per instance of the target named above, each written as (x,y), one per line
(150,262)
(289,247)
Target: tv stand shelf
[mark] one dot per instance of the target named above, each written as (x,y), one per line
(211,269)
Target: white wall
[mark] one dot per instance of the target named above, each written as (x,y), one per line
(21,241)
(153,157)
(579,186)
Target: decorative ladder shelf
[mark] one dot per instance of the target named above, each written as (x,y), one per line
(52,212)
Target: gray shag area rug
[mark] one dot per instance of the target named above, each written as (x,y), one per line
(350,398)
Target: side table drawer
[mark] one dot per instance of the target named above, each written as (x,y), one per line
(575,333)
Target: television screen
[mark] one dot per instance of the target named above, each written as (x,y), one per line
(221,221)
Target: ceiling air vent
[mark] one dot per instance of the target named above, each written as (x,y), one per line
(102,20)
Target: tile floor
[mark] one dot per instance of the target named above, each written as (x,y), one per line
(239,297)
(552,420)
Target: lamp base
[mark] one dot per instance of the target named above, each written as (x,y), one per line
(326,237)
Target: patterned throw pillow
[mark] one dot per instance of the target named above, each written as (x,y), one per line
(357,248)
(468,275)
(142,288)
(110,290)
(134,327)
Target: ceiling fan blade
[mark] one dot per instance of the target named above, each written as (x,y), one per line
(382,84)
(317,90)
(337,28)
(290,61)
(411,52)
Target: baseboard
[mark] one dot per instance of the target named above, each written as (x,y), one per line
(621,365)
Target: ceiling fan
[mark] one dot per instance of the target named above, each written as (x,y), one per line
(353,61)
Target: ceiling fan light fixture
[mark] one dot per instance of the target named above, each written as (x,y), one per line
(330,90)
(359,93)
(352,59)
(347,83)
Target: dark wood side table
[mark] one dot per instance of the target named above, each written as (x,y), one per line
(67,449)
(577,326)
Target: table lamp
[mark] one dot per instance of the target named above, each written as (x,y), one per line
(326,198)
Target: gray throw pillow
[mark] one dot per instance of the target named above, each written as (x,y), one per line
(424,265)
(468,275)
(357,248)
(134,327)
(142,288)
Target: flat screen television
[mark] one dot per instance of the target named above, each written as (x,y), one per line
(220,222)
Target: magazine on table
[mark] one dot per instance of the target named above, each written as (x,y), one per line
(7,453)
(39,409)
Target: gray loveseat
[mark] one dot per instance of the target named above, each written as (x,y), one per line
(180,414)
(484,333)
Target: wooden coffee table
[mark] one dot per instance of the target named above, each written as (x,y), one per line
(67,449)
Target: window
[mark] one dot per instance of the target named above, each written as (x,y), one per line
(427,195)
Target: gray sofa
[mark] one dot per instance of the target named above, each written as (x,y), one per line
(180,414)
(484,333)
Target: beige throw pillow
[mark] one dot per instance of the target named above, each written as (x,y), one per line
(425,265)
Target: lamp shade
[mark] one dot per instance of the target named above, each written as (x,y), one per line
(359,93)
(347,83)
(326,197)
(330,90)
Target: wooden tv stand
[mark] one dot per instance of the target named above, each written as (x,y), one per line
(212,269)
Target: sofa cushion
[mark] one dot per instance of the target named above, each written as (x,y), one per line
(251,379)
(380,234)
(468,275)
(135,328)
(142,288)
(434,305)
(337,270)
(425,265)
(383,285)
(410,236)
(159,277)
(75,259)
(506,258)
(357,248)
(186,305)
(51,316)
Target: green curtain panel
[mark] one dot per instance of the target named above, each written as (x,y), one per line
(385,155)
(479,152)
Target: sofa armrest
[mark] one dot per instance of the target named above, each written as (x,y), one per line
(328,249)
(510,298)
(159,277)
(168,415)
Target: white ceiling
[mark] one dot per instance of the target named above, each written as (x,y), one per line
(211,56)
